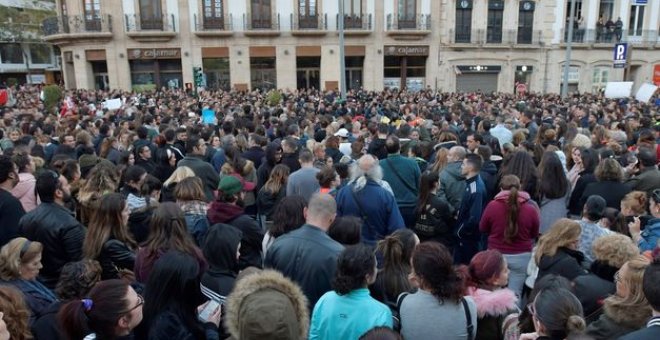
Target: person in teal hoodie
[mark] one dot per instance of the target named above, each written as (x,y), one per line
(348,311)
(647,239)
(403,175)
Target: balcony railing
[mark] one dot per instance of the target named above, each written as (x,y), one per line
(164,22)
(463,36)
(305,22)
(261,23)
(67,24)
(523,37)
(420,22)
(213,23)
(356,22)
(479,37)
(606,36)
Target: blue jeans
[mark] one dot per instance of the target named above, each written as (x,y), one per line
(517,264)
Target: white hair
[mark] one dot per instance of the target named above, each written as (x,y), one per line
(359,175)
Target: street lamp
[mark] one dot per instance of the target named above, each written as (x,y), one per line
(342,61)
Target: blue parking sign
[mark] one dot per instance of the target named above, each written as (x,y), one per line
(620,55)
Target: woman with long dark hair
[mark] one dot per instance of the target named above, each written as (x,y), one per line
(553,190)
(168,232)
(108,239)
(287,216)
(272,193)
(433,214)
(393,277)
(511,222)
(111,311)
(348,311)
(521,164)
(589,160)
(438,306)
(173,299)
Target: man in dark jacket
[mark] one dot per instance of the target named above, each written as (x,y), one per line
(452,182)
(403,175)
(652,293)
(195,152)
(648,177)
(364,197)
(472,206)
(11,209)
(290,154)
(377,145)
(255,151)
(54,226)
(307,255)
(273,157)
(228,209)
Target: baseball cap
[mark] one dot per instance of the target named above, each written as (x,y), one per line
(342,133)
(233,184)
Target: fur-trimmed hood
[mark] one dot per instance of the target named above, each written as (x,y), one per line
(267,305)
(634,317)
(494,303)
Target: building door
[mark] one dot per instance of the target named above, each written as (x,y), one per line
(476,82)
(261,14)
(307,16)
(151,15)
(308,72)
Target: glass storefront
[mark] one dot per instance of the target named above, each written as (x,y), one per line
(262,73)
(217,73)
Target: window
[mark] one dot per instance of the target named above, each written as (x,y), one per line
(578,22)
(463,21)
(151,14)
(262,73)
(636,20)
(92,15)
(213,14)
(11,53)
(495,15)
(600,77)
(352,14)
(261,14)
(407,13)
(40,54)
(217,73)
(307,17)
(606,9)
(573,74)
(525,22)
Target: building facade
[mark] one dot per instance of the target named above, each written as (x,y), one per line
(450,45)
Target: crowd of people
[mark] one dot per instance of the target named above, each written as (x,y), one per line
(303,215)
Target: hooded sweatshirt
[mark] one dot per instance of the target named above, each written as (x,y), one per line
(452,184)
(228,213)
(220,250)
(267,166)
(494,223)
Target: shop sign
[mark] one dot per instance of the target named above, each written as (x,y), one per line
(406,50)
(479,68)
(154,53)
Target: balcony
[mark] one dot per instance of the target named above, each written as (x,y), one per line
(213,26)
(67,28)
(315,25)
(604,38)
(492,38)
(261,26)
(151,29)
(409,27)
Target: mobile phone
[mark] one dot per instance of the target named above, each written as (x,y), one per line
(630,219)
(209,309)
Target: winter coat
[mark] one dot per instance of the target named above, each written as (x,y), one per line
(612,192)
(291,160)
(267,165)
(494,223)
(488,174)
(139,222)
(254,154)
(585,179)
(553,209)
(452,184)
(115,255)
(493,309)
(650,235)
(566,262)
(592,289)
(308,256)
(618,320)
(25,192)
(11,212)
(403,175)
(647,180)
(146,164)
(196,221)
(220,250)
(435,221)
(168,325)
(266,201)
(221,212)
(60,234)
(37,297)
(46,327)
(267,306)
(650,332)
(145,260)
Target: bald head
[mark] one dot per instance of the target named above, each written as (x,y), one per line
(321,211)
(456,153)
(366,163)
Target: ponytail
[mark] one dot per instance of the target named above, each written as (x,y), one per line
(73,320)
(397,250)
(511,183)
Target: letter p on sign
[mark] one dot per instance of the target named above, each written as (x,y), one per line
(620,51)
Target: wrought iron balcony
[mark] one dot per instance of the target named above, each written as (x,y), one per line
(420,22)
(74,24)
(269,23)
(356,22)
(203,23)
(610,36)
(163,22)
(309,22)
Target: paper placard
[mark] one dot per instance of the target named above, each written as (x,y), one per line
(112,104)
(208,116)
(621,89)
(645,92)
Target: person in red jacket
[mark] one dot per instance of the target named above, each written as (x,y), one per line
(511,221)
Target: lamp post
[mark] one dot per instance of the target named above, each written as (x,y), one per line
(342,61)
(569,45)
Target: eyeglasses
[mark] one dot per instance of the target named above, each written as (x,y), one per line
(531,309)
(139,303)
